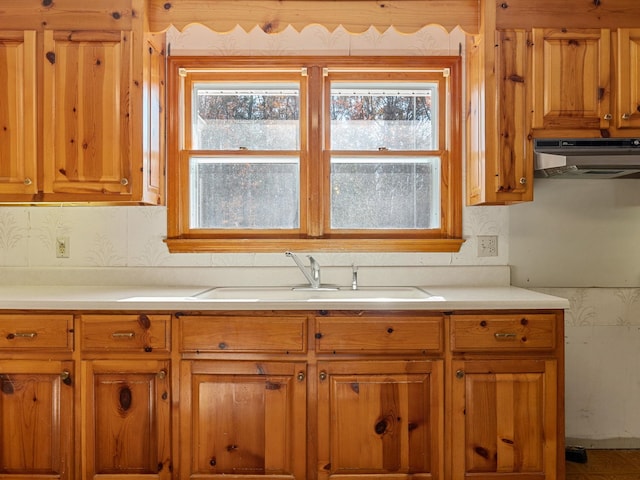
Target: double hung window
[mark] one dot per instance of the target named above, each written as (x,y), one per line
(314,153)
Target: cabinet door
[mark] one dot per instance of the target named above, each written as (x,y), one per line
(628,75)
(153,107)
(242,419)
(87,110)
(126,404)
(36,419)
(505,419)
(18,127)
(380,418)
(572,81)
(515,149)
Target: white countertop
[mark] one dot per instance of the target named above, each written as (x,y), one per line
(181,298)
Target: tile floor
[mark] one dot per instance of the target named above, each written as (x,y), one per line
(606,465)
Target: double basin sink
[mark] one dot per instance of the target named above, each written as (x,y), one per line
(309,294)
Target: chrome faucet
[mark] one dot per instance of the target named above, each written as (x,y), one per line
(313,275)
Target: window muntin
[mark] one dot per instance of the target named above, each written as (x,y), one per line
(396,190)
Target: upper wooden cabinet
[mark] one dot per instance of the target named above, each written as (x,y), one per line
(87,131)
(81,114)
(586,82)
(572,79)
(499,142)
(18,133)
(627,94)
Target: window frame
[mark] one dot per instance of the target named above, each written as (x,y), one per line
(314,232)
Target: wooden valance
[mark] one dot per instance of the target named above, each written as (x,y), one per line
(273,16)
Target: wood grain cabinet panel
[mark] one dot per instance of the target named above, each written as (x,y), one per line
(127,419)
(505,420)
(572,79)
(125,333)
(36,419)
(499,332)
(36,332)
(380,419)
(628,79)
(384,334)
(18,113)
(87,139)
(243,333)
(243,420)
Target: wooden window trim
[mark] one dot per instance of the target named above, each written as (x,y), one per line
(313,192)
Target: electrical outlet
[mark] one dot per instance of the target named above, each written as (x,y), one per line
(62,247)
(487,246)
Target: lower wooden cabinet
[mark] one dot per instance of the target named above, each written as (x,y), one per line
(242,419)
(505,419)
(326,395)
(126,405)
(380,418)
(36,419)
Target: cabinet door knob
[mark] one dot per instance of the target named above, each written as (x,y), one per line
(626,116)
(65,376)
(300,376)
(162,374)
(523,180)
(323,375)
(28,181)
(608,116)
(124,181)
(459,373)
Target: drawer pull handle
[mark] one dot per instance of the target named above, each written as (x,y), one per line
(123,334)
(11,336)
(505,336)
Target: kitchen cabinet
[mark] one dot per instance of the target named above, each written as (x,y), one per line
(499,141)
(507,391)
(379,416)
(37,388)
(125,396)
(627,92)
(242,397)
(586,82)
(572,80)
(18,113)
(84,126)
(87,132)
(333,394)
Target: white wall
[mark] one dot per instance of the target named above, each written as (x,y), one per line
(580,239)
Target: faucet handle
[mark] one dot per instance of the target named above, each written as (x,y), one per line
(354,276)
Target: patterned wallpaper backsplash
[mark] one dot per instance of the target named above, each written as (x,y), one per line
(133,237)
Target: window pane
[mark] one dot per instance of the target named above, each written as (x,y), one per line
(397,193)
(232,116)
(244,192)
(395,116)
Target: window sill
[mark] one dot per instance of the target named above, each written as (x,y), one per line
(199,245)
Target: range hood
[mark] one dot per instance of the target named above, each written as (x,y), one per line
(587,158)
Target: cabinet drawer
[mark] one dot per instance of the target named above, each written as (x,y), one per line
(243,334)
(378,334)
(503,332)
(21,332)
(128,333)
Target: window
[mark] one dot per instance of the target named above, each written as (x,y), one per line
(311,153)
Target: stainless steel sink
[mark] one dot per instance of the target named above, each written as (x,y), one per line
(322,294)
